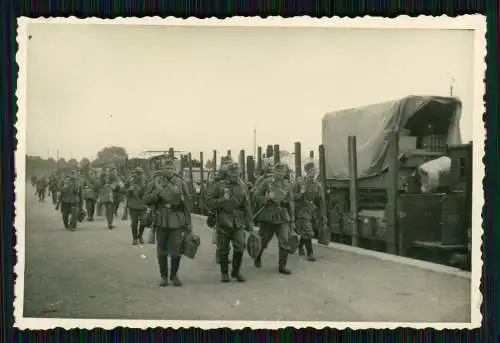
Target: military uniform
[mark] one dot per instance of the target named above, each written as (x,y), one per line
(275,214)
(106,197)
(90,192)
(229,199)
(309,202)
(219,176)
(53,188)
(71,202)
(41,188)
(137,207)
(172,220)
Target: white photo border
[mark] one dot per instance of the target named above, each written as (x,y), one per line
(477,23)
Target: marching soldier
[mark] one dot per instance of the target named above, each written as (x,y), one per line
(220,176)
(309,202)
(118,190)
(229,198)
(276,214)
(136,205)
(53,187)
(70,201)
(171,199)
(108,184)
(90,191)
(41,188)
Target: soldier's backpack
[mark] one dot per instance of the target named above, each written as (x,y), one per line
(254,245)
(190,245)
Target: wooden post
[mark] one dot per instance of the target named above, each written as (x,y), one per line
(259,159)
(202,184)
(276,153)
(353,187)
(322,175)
(250,169)
(269,151)
(242,164)
(190,165)
(394,239)
(298,160)
(214,161)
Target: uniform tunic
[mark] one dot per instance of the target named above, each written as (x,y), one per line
(172,214)
(309,204)
(231,203)
(274,216)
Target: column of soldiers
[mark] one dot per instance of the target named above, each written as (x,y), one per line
(277,206)
(162,201)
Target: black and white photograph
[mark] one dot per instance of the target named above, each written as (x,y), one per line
(250,172)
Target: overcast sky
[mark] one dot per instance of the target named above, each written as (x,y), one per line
(204,88)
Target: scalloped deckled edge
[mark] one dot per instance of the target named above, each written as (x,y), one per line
(471,22)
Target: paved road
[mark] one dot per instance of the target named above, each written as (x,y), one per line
(96,273)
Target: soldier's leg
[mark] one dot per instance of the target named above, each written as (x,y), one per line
(300,224)
(134,222)
(282,233)
(92,209)
(266,232)
(65,212)
(75,211)
(54,197)
(239,242)
(307,233)
(162,254)
(87,208)
(222,250)
(109,214)
(142,226)
(174,244)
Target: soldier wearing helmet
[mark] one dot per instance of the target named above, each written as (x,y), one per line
(137,207)
(309,203)
(70,201)
(229,199)
(275,214)
(170,197)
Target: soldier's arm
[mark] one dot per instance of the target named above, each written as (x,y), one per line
(187,202)
(151,196)
(248,209)
(212,197)
(291,202)
(260,193)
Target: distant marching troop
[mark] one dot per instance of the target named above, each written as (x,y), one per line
(162,202)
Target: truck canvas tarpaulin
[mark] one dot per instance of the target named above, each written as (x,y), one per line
(373,124)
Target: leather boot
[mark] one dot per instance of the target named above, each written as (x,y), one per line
(237,260)
(163,263)
(175,261)
(309,249)
(224,268)
(283,258)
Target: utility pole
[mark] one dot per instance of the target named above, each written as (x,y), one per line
(452,82)
(254,142)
